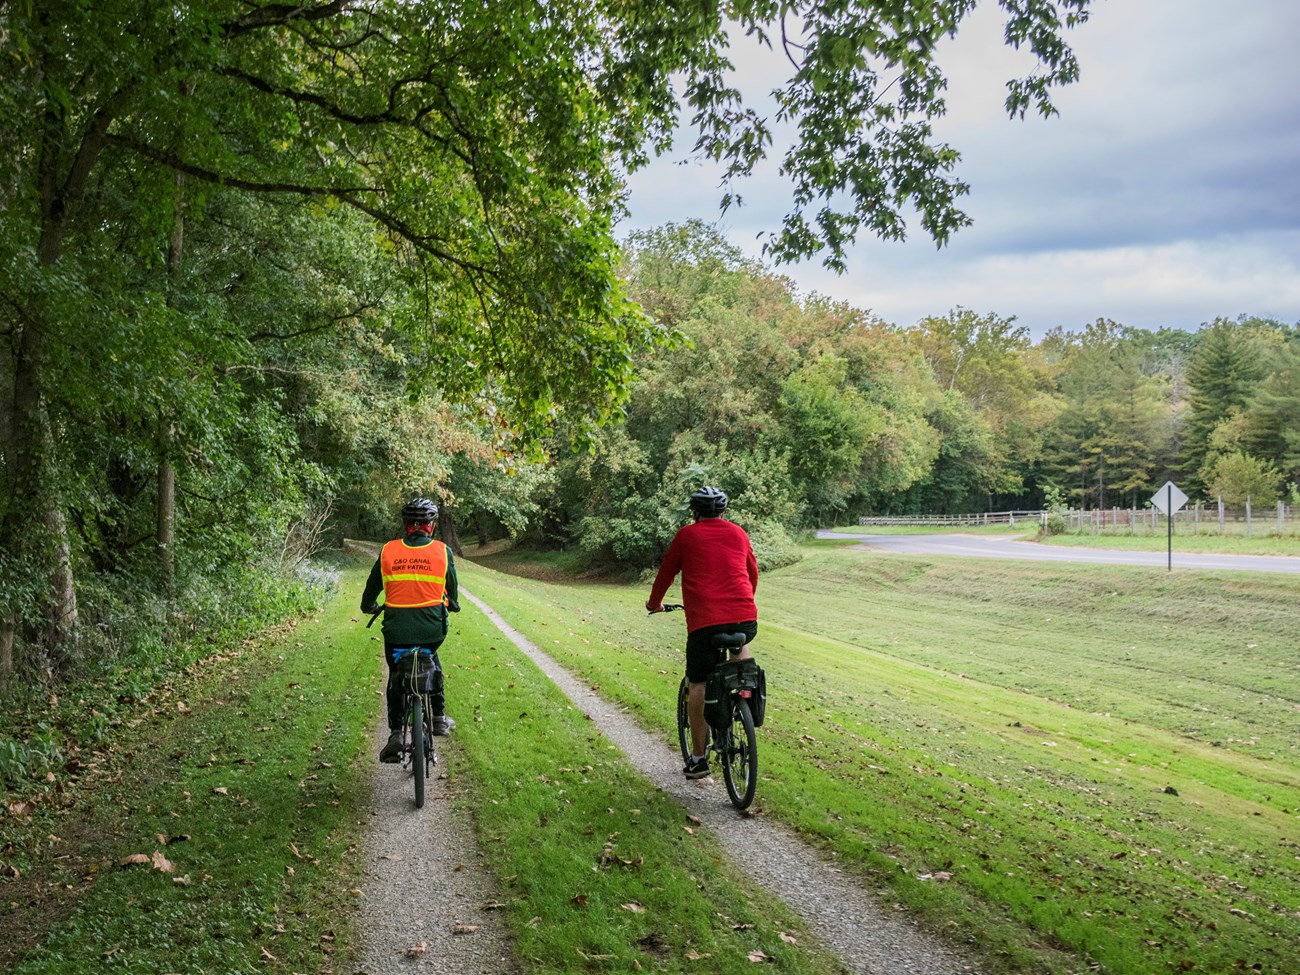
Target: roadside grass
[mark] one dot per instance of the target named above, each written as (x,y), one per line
(1264,540)
(602,870)
(1066,766)
(236,787)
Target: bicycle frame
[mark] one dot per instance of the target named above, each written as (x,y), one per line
(733,741)
(418,753)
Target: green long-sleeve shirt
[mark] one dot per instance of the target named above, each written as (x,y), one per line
(415,625)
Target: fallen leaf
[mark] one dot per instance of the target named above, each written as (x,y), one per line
(464,928)
(133,860)
(181,881)
(415,951)
(161,863)
(493,906)
(579,900)
(694,955)
(267,956)
(111,951)
(221,790)
(757,955)
(788,939)
(634,907)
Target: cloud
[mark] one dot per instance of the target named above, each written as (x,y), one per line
(1165,192)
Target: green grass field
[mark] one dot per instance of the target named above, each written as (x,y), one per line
(1061,768)
(1104,760)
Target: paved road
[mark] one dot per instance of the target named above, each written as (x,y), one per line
(986,547)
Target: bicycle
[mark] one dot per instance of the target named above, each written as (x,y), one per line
(735,690)
(418,753)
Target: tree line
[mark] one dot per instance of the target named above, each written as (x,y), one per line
(265,268)
(810,412)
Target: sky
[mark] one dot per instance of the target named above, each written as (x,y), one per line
(1165,193)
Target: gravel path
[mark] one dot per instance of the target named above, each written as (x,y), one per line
(435,850)
(431,851)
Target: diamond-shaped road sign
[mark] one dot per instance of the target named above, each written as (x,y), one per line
(1168,499)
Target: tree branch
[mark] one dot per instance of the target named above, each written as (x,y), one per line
(280,14)
(172,161)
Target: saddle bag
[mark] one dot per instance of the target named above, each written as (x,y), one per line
(735,675)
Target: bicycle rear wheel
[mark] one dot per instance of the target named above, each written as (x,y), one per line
(417,750)
(739,753)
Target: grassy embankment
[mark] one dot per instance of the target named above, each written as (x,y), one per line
(242,786)
(1105,761)
(1060,765)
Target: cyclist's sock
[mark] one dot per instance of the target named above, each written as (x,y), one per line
(698,758)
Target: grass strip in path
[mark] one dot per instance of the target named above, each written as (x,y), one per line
(603,871)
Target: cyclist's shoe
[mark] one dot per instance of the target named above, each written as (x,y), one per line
(392,752)
(442,724)
(696,768)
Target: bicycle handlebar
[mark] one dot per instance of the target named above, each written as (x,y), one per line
(666,608)
(378,613)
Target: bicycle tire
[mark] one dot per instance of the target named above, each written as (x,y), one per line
(417,749)
(739,753)
(683,721)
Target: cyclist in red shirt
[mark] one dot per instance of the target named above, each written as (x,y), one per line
(719,576)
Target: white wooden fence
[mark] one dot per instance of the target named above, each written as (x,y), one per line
(1199,518)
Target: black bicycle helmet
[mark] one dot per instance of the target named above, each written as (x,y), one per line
(709,502)
(419,511)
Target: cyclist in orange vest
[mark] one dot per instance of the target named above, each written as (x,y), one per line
(418,578)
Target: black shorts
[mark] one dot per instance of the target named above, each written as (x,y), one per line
(700,655)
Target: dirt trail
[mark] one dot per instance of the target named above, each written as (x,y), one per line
(435,850)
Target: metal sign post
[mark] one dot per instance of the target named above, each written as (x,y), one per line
(1169,500)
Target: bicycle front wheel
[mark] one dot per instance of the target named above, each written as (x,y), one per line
(417,750)
(684,721)
(739,753)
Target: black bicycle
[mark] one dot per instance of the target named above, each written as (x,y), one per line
(735,698)
(415,668)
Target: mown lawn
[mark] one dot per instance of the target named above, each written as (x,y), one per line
(1053,761)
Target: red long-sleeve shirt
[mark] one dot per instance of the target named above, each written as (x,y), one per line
(719,573)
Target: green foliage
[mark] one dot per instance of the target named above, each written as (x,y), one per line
(1237,477)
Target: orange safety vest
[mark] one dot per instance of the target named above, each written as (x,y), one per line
(414,576)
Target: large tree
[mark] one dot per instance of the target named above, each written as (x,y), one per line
(485,142)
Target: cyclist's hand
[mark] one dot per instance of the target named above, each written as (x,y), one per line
(453,605)
(653,607)
(372,609)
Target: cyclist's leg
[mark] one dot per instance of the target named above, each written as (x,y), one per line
(392,750)
(442,722)
(700,660)
(393,695)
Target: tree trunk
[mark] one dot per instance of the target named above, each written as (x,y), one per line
(447,530)
(7,619)
(165,533)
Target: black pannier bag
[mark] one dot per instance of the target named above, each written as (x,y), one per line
(735,675)
(417,678)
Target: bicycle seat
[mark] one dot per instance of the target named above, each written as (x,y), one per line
(729,641)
